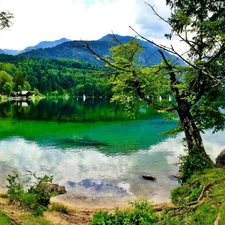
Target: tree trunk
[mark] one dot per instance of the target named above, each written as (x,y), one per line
(193,136)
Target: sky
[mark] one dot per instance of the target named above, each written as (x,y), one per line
(48,20)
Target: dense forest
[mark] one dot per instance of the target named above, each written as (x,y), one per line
(53,77)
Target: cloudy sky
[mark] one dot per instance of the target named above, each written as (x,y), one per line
(48,20)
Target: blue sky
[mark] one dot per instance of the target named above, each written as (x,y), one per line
(49,20)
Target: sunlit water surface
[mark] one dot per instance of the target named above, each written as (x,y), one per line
(105,171)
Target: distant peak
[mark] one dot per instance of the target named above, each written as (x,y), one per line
(111,37)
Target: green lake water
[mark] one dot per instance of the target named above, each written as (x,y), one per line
(92,149)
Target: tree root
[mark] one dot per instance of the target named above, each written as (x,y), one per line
(191,205)
(217,219)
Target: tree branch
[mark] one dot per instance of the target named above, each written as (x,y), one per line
(165,48)
(104,60)
(145,99)
(173,80)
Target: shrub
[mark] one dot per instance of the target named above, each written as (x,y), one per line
(35,197)
(59,207)
(141,213)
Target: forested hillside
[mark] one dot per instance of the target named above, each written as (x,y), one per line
(76,50)
(69,68)
(52,76)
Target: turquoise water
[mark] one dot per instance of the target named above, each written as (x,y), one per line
(92,148)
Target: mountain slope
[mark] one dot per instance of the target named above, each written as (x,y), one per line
(46,44)
(76,50)
(43,44)
(10,52)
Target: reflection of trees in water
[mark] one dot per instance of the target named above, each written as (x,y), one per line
(68,110)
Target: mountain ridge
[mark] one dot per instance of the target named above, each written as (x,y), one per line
(76,50)
(42,44)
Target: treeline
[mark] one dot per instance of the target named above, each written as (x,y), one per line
(52,77)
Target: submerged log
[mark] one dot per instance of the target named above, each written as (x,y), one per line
(148,176)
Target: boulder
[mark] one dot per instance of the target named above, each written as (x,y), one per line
(49,188)
(220,160)
(148,176)
(177,175)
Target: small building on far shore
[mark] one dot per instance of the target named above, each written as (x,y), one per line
(22,94)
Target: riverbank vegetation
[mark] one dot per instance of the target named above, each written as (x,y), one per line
(199,201)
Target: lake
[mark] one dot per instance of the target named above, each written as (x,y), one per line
(93,149)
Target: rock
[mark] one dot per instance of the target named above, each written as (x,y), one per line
(148,176)
(49,187)
(177,175)
(220,160)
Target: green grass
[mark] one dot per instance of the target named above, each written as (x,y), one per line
(3,195)
(59,207)
(4,219)
(199,202)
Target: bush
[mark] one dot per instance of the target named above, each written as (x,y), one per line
(35,197)
(191,164)
(141,213)
(59,208)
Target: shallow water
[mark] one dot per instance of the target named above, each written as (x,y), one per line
(99,162)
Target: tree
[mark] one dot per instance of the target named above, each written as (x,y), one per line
(8,88)
(4,78)
(5,19)
(194,91)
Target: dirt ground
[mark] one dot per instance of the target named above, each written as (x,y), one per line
(78,216)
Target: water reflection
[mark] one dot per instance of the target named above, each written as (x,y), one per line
(92,149)
(90,173)
(69,110)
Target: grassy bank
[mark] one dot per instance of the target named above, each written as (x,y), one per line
(201,201)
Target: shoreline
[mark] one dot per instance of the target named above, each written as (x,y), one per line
(97,202)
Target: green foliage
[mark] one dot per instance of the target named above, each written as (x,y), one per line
(141,213)
(59,207)
(35,196)
(36,220)
(54,76)
(192,162)
(4,219)
(196,90)
(8,88)
(210,185)
(5,78)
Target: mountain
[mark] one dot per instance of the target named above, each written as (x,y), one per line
(11,52)
(76,50)
(43,44)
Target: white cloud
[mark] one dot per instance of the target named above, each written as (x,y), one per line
(48,20)
(40,20)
